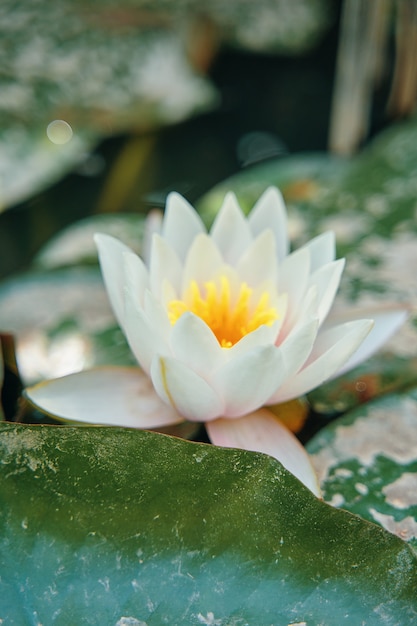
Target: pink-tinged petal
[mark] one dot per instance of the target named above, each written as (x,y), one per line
(326,280)
(270,212)
(144,338)
(261,431)
(258,262)
(164,265)
(111,253)
(386,322)
(181,224)
(230,230)
(247,381)
(194,344)
(187,392)
(332,349)
(202,263)
(116,396)
(322,250)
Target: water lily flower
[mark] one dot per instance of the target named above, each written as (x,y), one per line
(222,323)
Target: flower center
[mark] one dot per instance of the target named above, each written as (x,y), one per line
(229,318)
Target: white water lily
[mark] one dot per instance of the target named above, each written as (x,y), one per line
(223,324)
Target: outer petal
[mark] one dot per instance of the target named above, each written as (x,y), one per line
(136,277)
(322,250)
(184,390)
(386,322)
(295,351)
(270,212)
(194,344)
(230,230)
(327,279)
(117,396)
(181,224)
(247,381)
(331,351)
(261,431)
(293,280)
(111,254)
(144,338)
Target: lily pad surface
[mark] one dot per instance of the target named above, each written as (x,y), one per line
(62,321)
(367,463)
(118,526)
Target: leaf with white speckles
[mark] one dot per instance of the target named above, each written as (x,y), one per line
(367,463)
(118,526)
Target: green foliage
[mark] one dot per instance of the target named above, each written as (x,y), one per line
(101,525)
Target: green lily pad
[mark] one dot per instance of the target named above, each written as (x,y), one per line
(379,375)
(62,322)
(118,526)
(367,463)
(75,245)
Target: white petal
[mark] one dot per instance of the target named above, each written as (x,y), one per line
(184,390)
(157,316)
(164,265)
(322,250)
(298,345)
(230,230)
(262,336)
(247,381)
(144,338)
(270,212)
(331,351)
(117,396)
(181,224)
(194,344)
(136,277)
(326,280)
(261,431)
(203,262)
(293,279)
(153,226)
(111,253)
(258,263)
(295,351)
(386,322)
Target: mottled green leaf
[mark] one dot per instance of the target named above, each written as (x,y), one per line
(75,244)
(62,321)
(117,526)
(367,463)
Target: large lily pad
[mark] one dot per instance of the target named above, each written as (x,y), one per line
(367,463)
(118,526)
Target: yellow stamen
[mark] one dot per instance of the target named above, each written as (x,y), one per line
(229,320)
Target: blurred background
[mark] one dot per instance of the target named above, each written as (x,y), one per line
(107,106)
